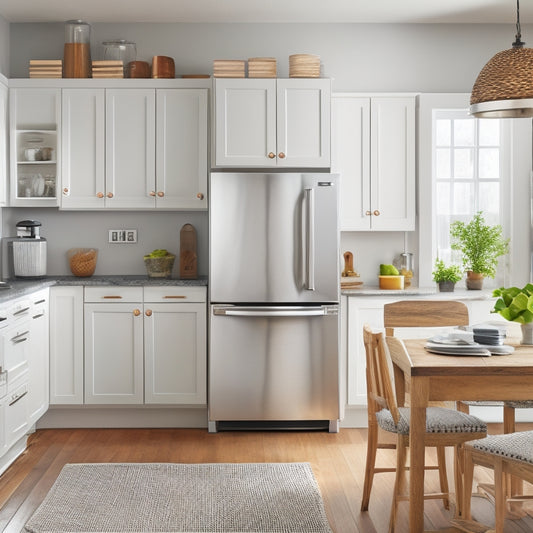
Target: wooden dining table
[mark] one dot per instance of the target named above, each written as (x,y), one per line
(431,377)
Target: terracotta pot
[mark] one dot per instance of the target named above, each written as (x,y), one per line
(474,280)
(446,286)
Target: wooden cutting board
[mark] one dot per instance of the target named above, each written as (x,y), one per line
(188,254)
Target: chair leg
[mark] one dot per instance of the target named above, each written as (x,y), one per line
(463,407)
(459,471)
(371,449)
(468,481)
(443,477)
(500,491)
(399,482)
(515,486)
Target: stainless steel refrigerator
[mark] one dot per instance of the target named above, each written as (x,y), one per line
(274,296)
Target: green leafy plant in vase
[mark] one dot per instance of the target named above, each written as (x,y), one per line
(516,305)
(446,276)
(480,245)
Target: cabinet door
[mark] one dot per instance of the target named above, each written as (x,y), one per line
(83,145)
(38,359)
(245,122)
(350,157)
(303,123)
(181,163)
(66,345)
(392,164)
(3,144)
(35,124)
(130,148)
(113,353)
(175,353)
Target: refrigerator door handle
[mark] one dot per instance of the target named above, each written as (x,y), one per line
(271,311)
(310,238)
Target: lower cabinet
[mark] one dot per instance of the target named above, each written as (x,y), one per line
(131,345)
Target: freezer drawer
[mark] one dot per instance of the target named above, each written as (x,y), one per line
(274,363)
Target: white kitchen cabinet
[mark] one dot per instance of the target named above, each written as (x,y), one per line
(35,127)
(38,357)
(373,149)
(66,345)
(3,140)
(175,353)
(113,353)
(134,148)
(272,123)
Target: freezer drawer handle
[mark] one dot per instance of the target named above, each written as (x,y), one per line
(15,399)
(294,312)
(310,237)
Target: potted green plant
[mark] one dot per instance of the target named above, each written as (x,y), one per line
(446,276)
(480,245)
(516,305)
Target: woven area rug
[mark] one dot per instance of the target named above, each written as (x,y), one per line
(169,497)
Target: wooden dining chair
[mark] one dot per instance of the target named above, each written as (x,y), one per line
(444,427)
(509,455)
(411,314)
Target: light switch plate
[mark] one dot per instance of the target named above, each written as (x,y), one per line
(122,236)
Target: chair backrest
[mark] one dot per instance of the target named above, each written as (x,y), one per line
(424,314)
(378,380)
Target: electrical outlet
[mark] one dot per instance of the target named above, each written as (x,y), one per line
(122,236)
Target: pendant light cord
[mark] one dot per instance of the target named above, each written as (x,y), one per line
(518,43)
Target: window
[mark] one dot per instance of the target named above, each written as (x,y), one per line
(470,173)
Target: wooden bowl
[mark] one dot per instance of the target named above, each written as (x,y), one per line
(138,69)
(163,67)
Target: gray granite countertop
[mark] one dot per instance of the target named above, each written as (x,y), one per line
(16,288)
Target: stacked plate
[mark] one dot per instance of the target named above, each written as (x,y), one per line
(46,68)
(304,66)
(462,343)
(111,68)
(229,68)
(262,67)
(491,335)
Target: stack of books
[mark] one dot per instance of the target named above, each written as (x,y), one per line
(304,66)
(108,69)
(46,68)
(229,68)
(262,67)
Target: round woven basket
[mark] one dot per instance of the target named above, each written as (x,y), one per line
(82,261)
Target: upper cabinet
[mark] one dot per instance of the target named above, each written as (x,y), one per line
(373,149)
(34,117)
(134,148)
(3,140)
(272,123)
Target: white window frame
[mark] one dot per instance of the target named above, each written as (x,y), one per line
(515,201)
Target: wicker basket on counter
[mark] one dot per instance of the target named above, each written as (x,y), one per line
(82,261)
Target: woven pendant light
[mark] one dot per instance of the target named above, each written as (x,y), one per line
(504,87)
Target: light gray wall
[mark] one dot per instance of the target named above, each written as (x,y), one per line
(4,47)
(358,57)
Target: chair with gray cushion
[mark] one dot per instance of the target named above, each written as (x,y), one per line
(508,455)
(444,427)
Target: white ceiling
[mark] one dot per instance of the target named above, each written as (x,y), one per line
(365,11)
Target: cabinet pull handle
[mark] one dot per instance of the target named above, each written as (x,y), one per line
(38,316)
(152,193)
(368,213)
(110,195)
(281,155)
(160,194)
(377,213)
(17,398)
(39,301)
(271,155)
(136,312)
(23,310)
(200,196)
(99,195)
(112,297)
(148,312)
(175,296)
(2,318)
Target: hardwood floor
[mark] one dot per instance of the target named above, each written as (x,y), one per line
(337,461)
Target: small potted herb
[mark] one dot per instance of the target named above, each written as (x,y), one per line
(446,276)
(480,245)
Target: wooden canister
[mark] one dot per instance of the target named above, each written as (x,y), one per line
(163,67)
(77,60)
(138,69)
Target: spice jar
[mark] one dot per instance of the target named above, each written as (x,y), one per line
(77,53)
(406,267)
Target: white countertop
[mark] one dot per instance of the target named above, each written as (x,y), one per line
(458,294)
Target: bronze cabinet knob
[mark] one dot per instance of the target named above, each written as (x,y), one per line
(368,213)
(200,196)
(99,194)
(271,155)
(110,195)
(148,312)
(281,155)
(152,193)
(160,194)
(377,213)
(136,312)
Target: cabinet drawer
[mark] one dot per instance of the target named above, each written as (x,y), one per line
(174,294)
(113,294)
